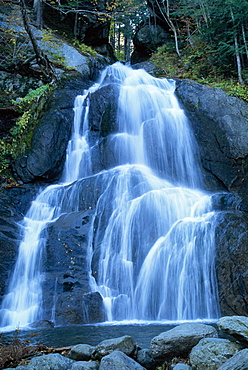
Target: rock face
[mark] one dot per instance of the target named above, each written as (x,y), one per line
(220,125)
(46,158)
(231,253)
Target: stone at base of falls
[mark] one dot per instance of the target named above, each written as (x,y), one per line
(237,326)
(42,324)
(180,340)
(211,353)
(83,365)
(237,362)
(181,366)
(125,344)
(53,361)
(144,358)
(81,352)
(119,361)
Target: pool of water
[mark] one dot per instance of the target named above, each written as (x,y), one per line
(90,334)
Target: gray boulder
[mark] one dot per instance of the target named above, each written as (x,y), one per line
(81,352)
(125,344)
(179,340)
(84,365)
(238,362)
(144,357)
(53,361)
(147,39)
(181,366)
(117,360)
(211,353)
(237,326)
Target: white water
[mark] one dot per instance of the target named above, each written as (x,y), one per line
(157,250)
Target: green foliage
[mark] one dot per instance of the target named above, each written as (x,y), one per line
(84,49)
(197,65)
(20,135)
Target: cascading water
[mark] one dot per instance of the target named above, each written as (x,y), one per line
(156,249)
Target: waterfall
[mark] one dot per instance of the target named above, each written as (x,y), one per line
(156,249)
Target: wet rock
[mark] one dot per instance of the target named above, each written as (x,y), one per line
(125,344)
(211,353)
(118,360)
(179,340)
(237,362)
(180,366)
(66,288)
(103,110)
(218,120)
(231,238)
(237,326)
(84,365)
(42,324)
(53,361)
(144,358)
(81,352)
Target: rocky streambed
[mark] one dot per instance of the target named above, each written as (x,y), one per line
(186,346)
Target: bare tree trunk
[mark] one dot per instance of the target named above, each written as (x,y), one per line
(38,8)
(239,67)
(166,15)
(42,59)
(238,60)
(127,45)
(244,39)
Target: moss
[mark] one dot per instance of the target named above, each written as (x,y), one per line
(20,136)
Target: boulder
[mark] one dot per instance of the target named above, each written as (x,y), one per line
(84,365)
(118,360)
(237,326)
(211,353)
(144,358)
(179,340)
(237,362)
(147,39)
(217,120)
(53,361)
(81,352)
(125,344)
(181,366)
(103,109)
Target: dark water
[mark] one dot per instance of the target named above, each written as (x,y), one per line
(88,334)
